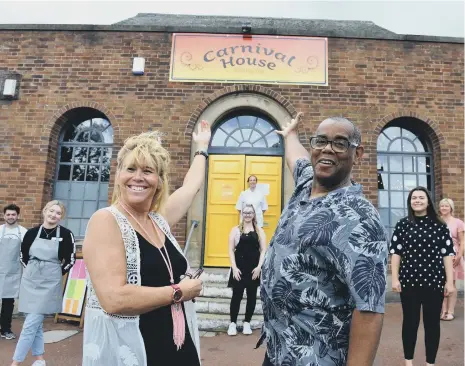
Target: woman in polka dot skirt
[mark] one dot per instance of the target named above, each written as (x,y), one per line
(422,271)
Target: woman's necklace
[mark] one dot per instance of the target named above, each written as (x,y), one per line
(177,313)
(47,234)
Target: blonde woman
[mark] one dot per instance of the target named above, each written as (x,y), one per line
(139,310)
(456,227)
(47,252)
(247,247)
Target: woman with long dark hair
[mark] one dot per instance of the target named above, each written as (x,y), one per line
(247,247)
(422,271)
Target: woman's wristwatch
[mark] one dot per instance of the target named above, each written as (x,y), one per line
(177,294)
(201,152)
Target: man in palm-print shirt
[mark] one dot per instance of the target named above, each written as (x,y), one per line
(324,277)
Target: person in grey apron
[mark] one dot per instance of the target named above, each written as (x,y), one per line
(10,278)
(11,235)
(41,287)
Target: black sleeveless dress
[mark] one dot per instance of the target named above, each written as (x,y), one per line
(247,255)
(156,326)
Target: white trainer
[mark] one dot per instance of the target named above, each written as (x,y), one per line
(232,330)
(39,363)
(247,330)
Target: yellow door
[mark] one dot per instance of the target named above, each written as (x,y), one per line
(227,178)
(268,170)
(225,183)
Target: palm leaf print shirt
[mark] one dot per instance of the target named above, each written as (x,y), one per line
(327,257)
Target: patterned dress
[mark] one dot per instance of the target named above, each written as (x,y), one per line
(328,257)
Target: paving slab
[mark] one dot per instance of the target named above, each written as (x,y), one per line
(223,350)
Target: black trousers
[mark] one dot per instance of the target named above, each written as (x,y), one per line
(238,294)
(413,299)
(6,314)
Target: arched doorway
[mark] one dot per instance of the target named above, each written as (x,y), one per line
(405,161)
(83,167)
(244,142)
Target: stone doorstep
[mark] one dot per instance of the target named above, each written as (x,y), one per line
(220,322)
(210,305)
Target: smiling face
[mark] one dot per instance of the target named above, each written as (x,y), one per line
(419,203)
(248,214)
(445,209)
(332,169)
(52,215)
(11,217)
(252,182)
(138,183)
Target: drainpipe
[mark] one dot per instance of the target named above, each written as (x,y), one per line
(194,224)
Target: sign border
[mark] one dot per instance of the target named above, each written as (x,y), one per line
(229,81)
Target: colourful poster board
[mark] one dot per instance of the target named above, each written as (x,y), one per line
(74,293)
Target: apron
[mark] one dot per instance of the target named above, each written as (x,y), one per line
(41,291)
(10,265)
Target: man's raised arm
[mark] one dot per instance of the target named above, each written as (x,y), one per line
(292,146)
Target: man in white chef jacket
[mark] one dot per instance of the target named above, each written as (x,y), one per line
(255,197)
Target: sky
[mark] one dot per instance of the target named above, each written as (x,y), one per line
(435,18)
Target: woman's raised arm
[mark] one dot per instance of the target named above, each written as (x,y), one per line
(180,201)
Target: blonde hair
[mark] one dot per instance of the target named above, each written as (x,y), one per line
(254,221)
(145,150)
(449,202)
(55,203)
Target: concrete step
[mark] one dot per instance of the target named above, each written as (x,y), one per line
(220,322)
(211,305)
(220,291)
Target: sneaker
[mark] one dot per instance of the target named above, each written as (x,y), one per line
(232,330)
(8,335)
(246,329)
(39,363)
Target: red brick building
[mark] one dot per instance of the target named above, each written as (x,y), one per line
(77,100)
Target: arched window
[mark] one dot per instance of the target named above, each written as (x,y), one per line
(83,171)
(246,132)
(405,161)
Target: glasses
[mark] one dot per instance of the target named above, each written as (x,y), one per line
(338,145)
(247,213)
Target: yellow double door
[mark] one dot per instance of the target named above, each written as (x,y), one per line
(227,178)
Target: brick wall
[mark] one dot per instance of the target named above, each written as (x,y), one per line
(370,81)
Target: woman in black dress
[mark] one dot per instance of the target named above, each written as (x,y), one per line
(247,247)
(422,271)
(139,310)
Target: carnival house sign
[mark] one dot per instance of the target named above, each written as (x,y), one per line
(223,58)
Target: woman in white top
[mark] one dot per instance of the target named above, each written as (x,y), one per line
(255,197)
(139,310)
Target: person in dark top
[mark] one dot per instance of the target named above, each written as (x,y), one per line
(66,249)
(139,307)
(247,247)
(47,253)
(422,271)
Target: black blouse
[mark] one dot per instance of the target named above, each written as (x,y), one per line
(422,246)
(66,249)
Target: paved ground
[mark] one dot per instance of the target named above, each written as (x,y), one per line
(238,351)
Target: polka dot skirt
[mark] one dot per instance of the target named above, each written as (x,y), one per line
(422,246)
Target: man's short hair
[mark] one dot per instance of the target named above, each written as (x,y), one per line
(11,207)
(356,136)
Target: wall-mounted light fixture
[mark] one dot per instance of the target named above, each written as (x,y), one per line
(9,88)
(138,66)
(246,29)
